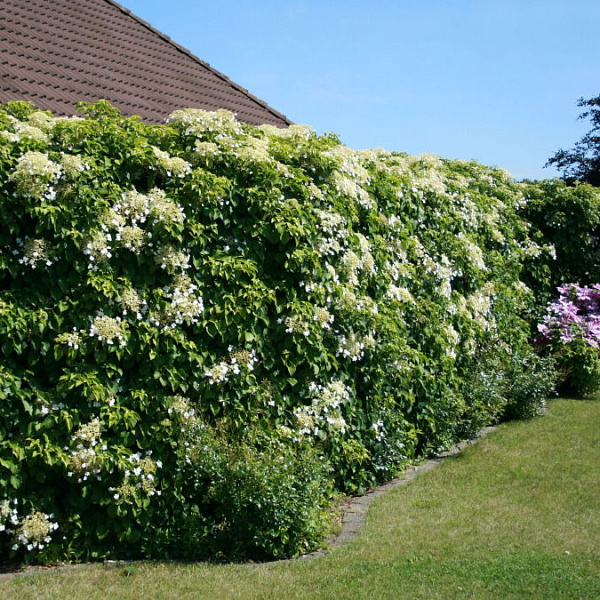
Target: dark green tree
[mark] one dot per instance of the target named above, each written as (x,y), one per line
(582,162)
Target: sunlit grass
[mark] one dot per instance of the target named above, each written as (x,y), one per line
(515,516)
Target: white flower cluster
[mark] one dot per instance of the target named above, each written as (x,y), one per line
(34,252)
(163,209)
(333,274)
(479,304)
(353,345)
(474,252)
(354,263)
(331,222)
(185,305)
(309,286)
(295,324)
(442,270)
(333,225)
(72,165)
(41,120)
(34,175)
(367,262)
(198,122)
(219,373)
(129,222)
(72,339)
(293,132)
(180,406)
(350,163)
(333,395)
(350,188)
(173,165)
(24,130)
(533,250)
(90,432)
(9,516)
(351,176)
(132,302)
(133,238)
(133,208)
(323,414)
(205,152)
(108,330)
(323,317)
(399,268)
(125,219)
(378,429)
(401,294)
(254,151)
(314,192)
(34,531)
(140,476)
(172,260)
(351,263)
(97,249)
(238,361)
(468,211)
(36,127)
(348,301)
(432,180)
(84,460)
(46,409)
(445,274)
(453,340)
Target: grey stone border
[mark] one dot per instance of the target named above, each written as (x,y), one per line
(354,510)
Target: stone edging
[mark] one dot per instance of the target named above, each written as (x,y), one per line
(355,509)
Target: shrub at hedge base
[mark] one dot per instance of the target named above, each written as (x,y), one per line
(208,329)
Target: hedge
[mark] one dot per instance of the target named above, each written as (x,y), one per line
(209,330)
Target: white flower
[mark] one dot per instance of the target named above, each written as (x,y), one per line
(34,530)
(34,253)
(34,175)
(171,260)
(172,165)
(108,330)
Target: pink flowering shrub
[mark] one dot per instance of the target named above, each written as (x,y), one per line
(571,330)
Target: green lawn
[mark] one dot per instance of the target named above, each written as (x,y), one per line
(516,515)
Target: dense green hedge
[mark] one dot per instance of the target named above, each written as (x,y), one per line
(565,222)
(207,329)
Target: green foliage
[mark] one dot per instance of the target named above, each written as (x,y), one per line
(533,381)
(507,385)
(271,500)
(565,223)
(582,162)
(579,367)
(206,326)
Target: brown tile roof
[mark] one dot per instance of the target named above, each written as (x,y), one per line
(58,52)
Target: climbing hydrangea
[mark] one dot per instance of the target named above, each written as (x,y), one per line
(34,531)
(108,330)
(34,175)
(209,328)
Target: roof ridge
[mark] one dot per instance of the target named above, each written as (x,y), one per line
(206,65)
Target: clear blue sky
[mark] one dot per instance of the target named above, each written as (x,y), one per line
(492,80)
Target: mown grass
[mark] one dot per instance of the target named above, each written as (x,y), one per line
(516,515)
